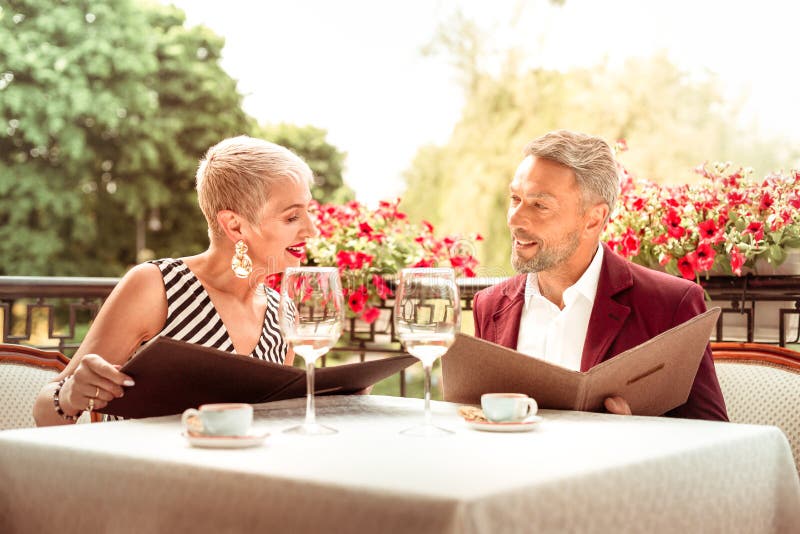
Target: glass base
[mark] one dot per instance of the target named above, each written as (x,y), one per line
(314,429)
(426,431)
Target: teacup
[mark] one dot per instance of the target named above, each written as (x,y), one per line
(230,419)
(507,407)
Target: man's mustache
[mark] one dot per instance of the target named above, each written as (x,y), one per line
(521,236)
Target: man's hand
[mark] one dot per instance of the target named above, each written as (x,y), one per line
(617,405)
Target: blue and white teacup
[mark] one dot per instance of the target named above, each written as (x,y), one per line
(507,407)
(229,419)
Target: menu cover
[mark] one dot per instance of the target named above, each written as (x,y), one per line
(172,376)
(653,377)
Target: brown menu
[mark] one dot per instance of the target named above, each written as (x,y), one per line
(172,376)
(653,377)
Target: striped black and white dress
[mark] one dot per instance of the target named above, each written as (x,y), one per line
(192,317)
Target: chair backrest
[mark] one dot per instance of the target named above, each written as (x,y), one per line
(23,372)
(761,385)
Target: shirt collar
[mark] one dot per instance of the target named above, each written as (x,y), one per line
(586,284)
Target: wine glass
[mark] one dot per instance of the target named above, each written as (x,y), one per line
(427,315)
(311,320)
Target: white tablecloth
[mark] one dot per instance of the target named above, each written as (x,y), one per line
(576,472)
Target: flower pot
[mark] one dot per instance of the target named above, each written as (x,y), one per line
(790,266)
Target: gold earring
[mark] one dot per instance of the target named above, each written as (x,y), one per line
(241,264)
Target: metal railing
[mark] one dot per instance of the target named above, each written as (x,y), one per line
(69,303)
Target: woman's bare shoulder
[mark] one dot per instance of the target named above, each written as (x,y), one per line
(140,293)
(144,276)
(135,311)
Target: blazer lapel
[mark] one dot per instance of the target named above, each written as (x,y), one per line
(608,315)
(505,321)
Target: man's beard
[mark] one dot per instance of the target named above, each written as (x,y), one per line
(547,257)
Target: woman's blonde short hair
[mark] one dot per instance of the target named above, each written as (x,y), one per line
(589,157)
(237,174)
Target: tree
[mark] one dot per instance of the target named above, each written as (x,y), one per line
(106,108)
(71,79)
(325,160)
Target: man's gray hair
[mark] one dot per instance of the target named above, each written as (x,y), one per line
(589,157)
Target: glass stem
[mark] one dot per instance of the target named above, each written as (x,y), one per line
(311,417)
(428,418)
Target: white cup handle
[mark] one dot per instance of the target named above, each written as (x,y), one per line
(191,412)
(533,407)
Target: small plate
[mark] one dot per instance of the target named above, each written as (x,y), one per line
(225,442)
(522,426)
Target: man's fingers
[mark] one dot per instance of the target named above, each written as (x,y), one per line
(617,405)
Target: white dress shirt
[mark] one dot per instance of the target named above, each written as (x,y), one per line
(549,333)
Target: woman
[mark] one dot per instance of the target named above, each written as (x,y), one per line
(255,197)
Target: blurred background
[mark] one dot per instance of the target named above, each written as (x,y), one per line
(107,105)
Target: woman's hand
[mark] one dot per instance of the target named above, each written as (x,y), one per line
(93,385)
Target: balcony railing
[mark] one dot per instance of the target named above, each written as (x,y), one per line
(66,305)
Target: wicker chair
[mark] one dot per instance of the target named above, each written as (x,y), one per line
(761,385)
(23,372)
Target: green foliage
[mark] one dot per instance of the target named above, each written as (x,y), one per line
(325,160)
(71,76)
(672,123)
(105,108)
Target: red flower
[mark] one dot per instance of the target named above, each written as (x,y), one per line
(736,198)
(630,244)
(703,257)
(710,232)
(732,180)
(756,228)
(686,267)
(457,261)
(428,226)
(708,229)
(425,263)
(273,281)
(347,259)
(737,261)
(723,219)
(370,314)
(365,230)
(384,291)
(357,299)
(673,222)
(766,202)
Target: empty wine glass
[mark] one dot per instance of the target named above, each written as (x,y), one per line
(427,315)
(311,319)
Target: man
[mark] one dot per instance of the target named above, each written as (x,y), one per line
(575,303)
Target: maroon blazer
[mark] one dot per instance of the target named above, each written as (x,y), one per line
(633,304)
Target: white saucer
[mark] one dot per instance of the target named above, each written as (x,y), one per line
(225,442)
(521,426)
